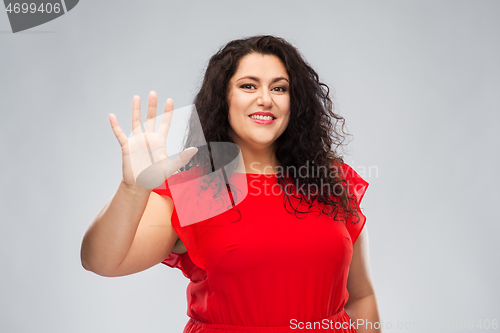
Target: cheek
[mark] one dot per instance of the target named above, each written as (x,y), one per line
(286,122)
(235,120)
(235,107)
(286,106)
(237,99)
(286,115)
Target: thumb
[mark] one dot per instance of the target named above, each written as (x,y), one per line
(180,160)
(156,174)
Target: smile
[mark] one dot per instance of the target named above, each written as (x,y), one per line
(264,120)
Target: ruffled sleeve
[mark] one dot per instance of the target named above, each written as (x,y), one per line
(356,186)
(188,262)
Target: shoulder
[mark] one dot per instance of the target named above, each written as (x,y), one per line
(355,183)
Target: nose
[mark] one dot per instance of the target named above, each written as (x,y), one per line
(265,100)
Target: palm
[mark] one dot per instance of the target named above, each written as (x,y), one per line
(145,158)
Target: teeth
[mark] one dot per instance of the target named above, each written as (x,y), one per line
(261,117)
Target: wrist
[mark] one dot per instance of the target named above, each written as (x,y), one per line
(134,189)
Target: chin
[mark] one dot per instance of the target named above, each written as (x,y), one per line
(261,143)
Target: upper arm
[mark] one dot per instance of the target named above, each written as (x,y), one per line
(154,239)
(359,282)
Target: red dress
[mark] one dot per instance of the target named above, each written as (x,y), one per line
(270,271)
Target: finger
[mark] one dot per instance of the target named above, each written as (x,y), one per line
(136,115)
(122,138)
(167,118)
(149,126)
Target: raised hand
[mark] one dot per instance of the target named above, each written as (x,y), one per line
(145,158)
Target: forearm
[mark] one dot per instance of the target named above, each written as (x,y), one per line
(112,230)
(364,313)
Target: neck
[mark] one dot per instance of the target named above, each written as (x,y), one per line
(260,160)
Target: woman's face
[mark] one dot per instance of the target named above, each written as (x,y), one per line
(259,86)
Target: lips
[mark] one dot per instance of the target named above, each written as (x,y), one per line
(261,113)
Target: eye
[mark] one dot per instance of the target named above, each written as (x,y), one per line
(246,86)
(283,89)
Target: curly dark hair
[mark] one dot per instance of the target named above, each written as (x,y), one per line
(312,138)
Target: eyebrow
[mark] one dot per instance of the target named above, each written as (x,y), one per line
(258,80)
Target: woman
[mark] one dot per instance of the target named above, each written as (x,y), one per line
(273,261)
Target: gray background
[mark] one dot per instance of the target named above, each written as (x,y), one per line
(417,81)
